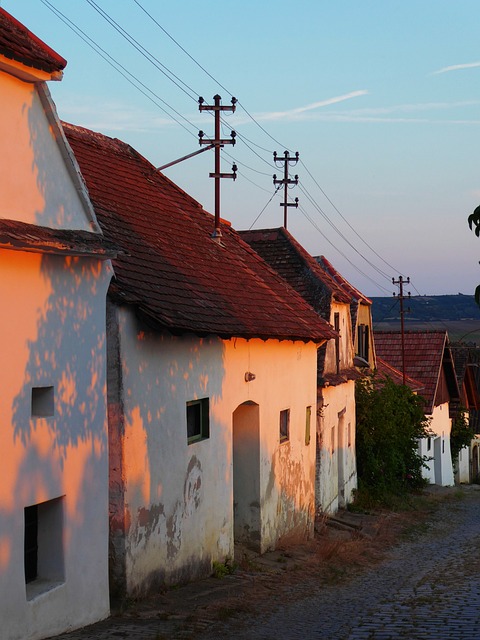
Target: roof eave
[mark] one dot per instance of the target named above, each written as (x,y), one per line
(26,72)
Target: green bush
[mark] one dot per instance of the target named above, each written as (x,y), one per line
(390,421)
(462,433)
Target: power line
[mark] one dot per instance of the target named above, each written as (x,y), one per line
(346,221)
(314,224)
(129,77)
(195,61)
(271,198)
(335,228)
(170,75)
(145,53)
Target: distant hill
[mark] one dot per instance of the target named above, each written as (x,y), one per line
(459,315)
(426,308)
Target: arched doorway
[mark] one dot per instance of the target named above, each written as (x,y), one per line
(246,475)
(475,477)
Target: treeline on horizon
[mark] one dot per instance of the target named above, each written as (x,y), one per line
(426,308)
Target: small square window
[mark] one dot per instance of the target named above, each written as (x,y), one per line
(198,420)
(284,425)
(42,402)
(308,420)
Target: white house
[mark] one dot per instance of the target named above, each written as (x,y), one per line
(336,470)
(428,360)
(361,313)
(54,275)
(212,381)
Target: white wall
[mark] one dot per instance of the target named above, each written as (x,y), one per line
(179,497)
(35,180)
(462,474)
(52,334)
(439,470)
(336,459)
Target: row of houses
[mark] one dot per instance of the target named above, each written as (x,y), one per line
(166,395)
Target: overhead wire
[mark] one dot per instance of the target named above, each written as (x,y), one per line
(129,77)
(346,221)
(258,217)
(314,224)
(189,92)
(145,53)
(335,228)
(204,70)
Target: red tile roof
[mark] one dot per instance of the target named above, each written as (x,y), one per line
(340,280)
(20,44)
(174,272)
(425,356)
(30,237)
(280,249)
(387,371)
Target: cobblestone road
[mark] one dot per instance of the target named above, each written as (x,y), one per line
(428,587)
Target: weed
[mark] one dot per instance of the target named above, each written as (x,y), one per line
(222,569)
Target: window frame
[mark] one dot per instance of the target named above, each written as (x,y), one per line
(284,425)
(203,418)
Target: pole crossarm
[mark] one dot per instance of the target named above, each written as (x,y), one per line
(217,143)
(401,297)
(287,162)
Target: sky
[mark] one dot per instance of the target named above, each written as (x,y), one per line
(381,99)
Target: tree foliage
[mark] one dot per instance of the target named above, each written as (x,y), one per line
(462,433)
(390,421)
(474,221)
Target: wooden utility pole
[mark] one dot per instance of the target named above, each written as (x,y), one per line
(401,297)
(217,143)
(286,181)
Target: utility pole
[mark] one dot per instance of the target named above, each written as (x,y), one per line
(401,297)
(217,144)
(287,161)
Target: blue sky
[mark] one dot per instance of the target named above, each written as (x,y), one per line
(380,98)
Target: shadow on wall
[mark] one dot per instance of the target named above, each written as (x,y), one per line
(54,437)
(68,354)
(163,491)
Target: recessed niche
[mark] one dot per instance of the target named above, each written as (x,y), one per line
(42,402)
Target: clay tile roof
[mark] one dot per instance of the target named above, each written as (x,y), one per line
(30,237)
(424,357)
(340,280)
(386,370)
(175,274)
(280,249)
(20,44)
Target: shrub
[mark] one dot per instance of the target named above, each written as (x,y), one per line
(390,421)
(462,433)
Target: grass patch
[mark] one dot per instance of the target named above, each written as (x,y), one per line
(222,569)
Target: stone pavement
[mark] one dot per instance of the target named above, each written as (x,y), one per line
(424,587)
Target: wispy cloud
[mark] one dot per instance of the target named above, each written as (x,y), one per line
(299,112)
(457,67)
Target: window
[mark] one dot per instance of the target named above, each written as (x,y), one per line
(31,543)
(198,420)
(363,341)
(336,326)
(333,439)
(308,420)
(42,402)
(43,546)
(284,425)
